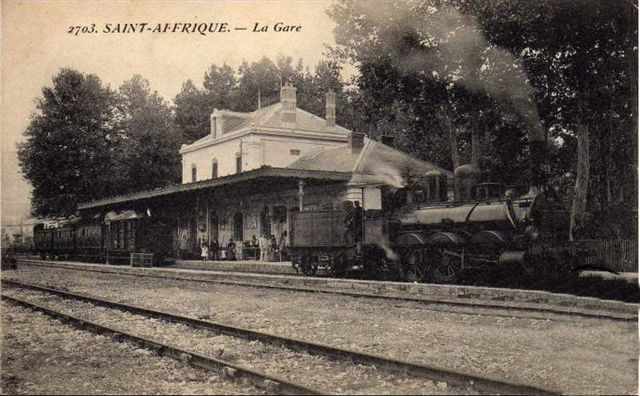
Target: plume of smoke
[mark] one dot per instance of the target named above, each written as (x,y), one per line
(387,174)
(457,51)
(388,252)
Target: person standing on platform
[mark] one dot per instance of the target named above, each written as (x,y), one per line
(273,247)
(262,244)
(214,248)
(204,252)
(282,247)
(231,250)
(357,226)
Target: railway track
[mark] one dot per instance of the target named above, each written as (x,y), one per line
(393,370)
(533,308)
(258,379)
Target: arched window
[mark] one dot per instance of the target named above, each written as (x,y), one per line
(214,168)
(238,227)
(194,173)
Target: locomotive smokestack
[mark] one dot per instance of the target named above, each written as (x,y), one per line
(356,141)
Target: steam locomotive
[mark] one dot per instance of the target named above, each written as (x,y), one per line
(424,234)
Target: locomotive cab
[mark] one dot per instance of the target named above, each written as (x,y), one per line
(430,188)
(488,191)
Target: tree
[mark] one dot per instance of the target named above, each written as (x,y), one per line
(192,113)
(220,84)
(583,60)
(67,155)
(151,142)
(563,68)
(259,85)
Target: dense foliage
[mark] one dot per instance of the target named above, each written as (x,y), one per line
(254,85)
(69,152)
(87,142)
(439,74)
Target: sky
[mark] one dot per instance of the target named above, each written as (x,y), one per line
(36,45)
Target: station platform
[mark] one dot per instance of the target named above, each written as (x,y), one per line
(262,267)
(421,291)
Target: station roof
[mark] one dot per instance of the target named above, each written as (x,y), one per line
(266,172)
(375,163)
(270,117)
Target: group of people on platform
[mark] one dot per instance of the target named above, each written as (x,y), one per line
(266,248)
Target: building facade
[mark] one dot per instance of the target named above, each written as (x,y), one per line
(275,135)
(245,178)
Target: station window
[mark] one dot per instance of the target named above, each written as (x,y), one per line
(214,168)
(238,227)
(294,152)
(194,173)
(238,163)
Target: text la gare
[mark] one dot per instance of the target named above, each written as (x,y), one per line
(278,27)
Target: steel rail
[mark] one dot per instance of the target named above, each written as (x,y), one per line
(577,312)
(482,384)
(257,378)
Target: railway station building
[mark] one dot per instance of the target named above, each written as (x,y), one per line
(253,169)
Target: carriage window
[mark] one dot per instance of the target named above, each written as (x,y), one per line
(131,235)
(121,236)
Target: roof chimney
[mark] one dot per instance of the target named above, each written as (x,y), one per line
(213,123)
(288,100)
(356,141)
(330,109)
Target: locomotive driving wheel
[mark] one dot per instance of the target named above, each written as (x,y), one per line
(448,266)
(308,266)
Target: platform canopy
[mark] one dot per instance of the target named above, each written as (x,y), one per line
(265,178)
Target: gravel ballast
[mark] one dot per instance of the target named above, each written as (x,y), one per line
(41,355)
(312,371)
(570,355)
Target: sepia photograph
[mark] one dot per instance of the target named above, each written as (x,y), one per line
(417,197)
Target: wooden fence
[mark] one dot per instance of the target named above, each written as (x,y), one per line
(617,254)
